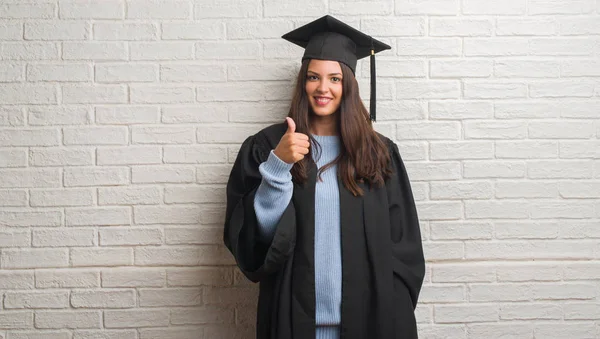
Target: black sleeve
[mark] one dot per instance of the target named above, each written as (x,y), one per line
(407,247)
(254,258)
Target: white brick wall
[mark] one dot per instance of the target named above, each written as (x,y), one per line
(120,121)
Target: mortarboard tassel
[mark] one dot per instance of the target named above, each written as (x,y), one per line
(373,91)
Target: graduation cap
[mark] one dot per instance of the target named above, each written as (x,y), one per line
(328,38)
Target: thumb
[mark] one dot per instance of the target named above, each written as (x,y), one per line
(291,125)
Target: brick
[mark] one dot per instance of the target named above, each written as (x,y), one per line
(159,9)
(439,210)
(63,30)
(133,277)
(166,256)
(344,7)
(29,51)
(583,189)
(163,94)
(526,109)
(581,311)
(528,272)
(500,330)
(521,189)
(231,9)
(98,216)
(103,299)
(494,130)
(114,73)
(27,10)
(68,319)
(560,47)
(59,115)
(494,90)
(161,50)
(16,279)
(495,46)
(448,273)
(25,178)
(162,174)
(101,257)
(428,47)
(94,9)
(94,51)
(465,313)
(461,150)
(10,238)
(95,136)
(531,311)
(392,27)
(67,278)
(58,72)
(13,157)
(428,130)
(225,133)
(41,334)
(94,94)
(101,176)
(543,7)
(526,69)
(460,110)
(203,315)
(129,195)
(525,27)
(528,149)
(125,31)
(443,250)
(459,27)
(29,137)
(162,135)
(172,332)
(54,156)
(460,68)
(11,31)
(136,318)
(130,114)
(212,174)
(35,258)
(57,299)
(431,89)
(212,276)
(191,73)
(572,68)
(552,169)
(219,50)
(579,229)
(197,30)
(531,249)
(13,197)
(194,194)
(61,197)
(570,210)
(561,88)
(257,29)
(11,117)
(189,236)
(478,7)
(11,72)
(433,171)
(127,236)
(564,291)
(166,214)
(149,297)
(132,155)
(14,94)
(442,293)
(578,26)
(80,237)
(499,292)
(495,209)
(563,130)
(16,320)
(15,218)
(210,113)
(430,7)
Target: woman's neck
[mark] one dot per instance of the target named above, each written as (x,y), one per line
(324,125)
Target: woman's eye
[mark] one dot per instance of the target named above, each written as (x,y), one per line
(311,77)
(336,79)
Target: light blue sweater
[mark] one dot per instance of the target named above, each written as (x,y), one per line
(272,197)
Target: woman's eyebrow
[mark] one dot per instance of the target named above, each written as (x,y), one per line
(329,73)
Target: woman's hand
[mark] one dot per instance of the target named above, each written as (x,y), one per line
(293,146)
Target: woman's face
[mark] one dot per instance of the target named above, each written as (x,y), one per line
(324,86)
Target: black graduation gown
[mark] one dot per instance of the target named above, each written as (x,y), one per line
(382,255)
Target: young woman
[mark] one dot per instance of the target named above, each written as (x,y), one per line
(320,209)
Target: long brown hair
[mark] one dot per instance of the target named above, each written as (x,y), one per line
(363,157)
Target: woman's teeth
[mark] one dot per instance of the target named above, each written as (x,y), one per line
(322,101)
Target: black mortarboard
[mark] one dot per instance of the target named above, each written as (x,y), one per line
(328,38)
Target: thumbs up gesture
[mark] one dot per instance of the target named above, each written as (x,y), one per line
(293,146)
